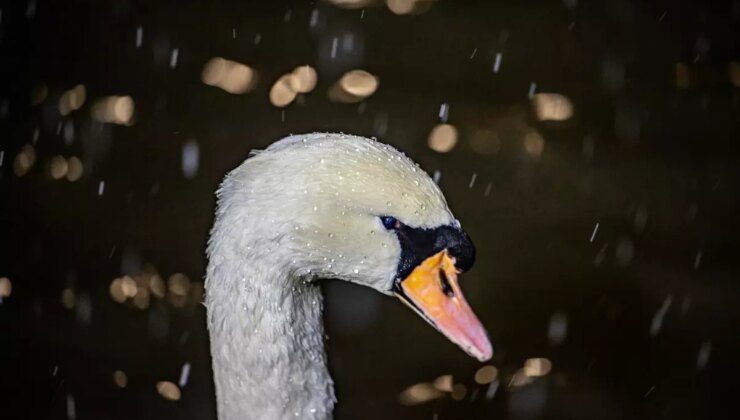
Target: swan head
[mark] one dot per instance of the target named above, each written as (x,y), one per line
(327,205)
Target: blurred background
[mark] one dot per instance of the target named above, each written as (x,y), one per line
(590,148)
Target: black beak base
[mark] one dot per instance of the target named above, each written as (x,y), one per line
(418,244)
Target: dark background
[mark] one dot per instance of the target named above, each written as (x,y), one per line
(652,160)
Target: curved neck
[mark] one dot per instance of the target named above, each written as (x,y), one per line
(267,341)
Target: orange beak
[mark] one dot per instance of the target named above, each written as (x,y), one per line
(433,292)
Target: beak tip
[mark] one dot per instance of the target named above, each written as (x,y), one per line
(483,353)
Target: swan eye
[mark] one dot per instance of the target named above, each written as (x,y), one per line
(390,222)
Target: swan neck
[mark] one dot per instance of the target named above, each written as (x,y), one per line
(267,342)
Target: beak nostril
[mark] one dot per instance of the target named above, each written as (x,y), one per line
(445,284)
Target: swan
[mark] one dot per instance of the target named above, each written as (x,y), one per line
(314,206)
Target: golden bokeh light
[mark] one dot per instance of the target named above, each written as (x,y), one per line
(58,167)
(353,87)
(156,286)
(536,367)
(419,394)
(168,390)
(72,99)
(282,93)
(231,76)
(239,79)
(443,383)
(116,290)
(214,71)
(443,138)
(146,284)
(120,378)
(520,379)
(68,298)
(552,107)
(123,109)
(114,110)
(287,88)
(75,169)
(6,287)
(486,375)
(128,286)
(303,79)
(352,4)
(459,391)
(534,144)
(24,160)
(408,7)
(359,83)
(401,7)
(178,284)
(141,299)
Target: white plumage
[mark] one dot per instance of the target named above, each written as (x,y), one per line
(307,207)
